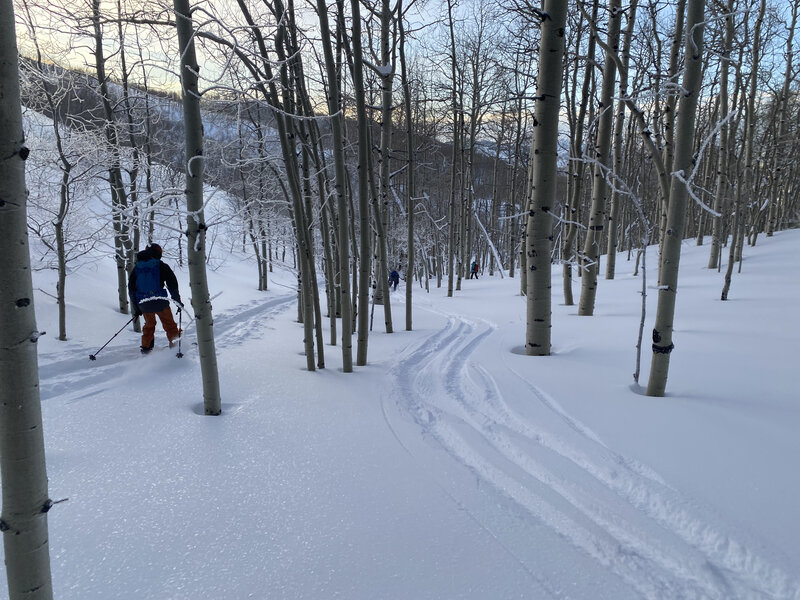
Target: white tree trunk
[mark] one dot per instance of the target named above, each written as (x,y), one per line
(196,228)
(748,178)
(340,183)
(119,199)
(676,216)
(542,191)
(411,165)
(723,158)
(616,200)
(783,123)
(365,249)
(597,215)
(22,461)
(382,267)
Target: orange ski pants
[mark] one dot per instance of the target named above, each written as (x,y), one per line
(167,322)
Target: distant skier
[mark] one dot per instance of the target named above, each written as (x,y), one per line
(149,298)
(394,279)
(473,270)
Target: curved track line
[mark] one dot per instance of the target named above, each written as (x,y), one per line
(611,507)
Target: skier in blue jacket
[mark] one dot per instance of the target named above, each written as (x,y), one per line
(149,298)
(394,279)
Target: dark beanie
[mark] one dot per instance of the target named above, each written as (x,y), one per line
(155,250)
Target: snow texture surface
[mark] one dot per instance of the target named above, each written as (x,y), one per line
(452,466)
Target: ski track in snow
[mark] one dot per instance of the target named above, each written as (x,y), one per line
(89,378)
(612,508)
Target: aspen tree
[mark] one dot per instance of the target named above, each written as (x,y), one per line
(519,128)
(672,96)
(783,118)
(748,175)
(66,164)
(676,218)
(721,186)
(340,182)
(363,183)
(669,115)
(494,211)
(602,151)
(281,105)
(578,169)
(451,211)
(119,197)
(195,219)
(410,164)
(22,460)
(613,218)
(386,75)
(289,53)
(132,141)
(542,191)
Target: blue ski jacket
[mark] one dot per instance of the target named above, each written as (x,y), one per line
(147,282)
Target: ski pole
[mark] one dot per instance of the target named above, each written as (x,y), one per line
(94,356)
(180,322)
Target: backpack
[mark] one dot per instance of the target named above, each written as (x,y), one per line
(148,280)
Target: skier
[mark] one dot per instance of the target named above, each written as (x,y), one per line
(149,298)
(473,270)
(394,279)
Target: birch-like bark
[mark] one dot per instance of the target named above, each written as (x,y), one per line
(783,120)
(672,95)
(363,186)
(515,167)
(66,167)
(578,168)
(382,206)
(494,209)
(748,175)
(22,459)
(195,220)
(313,280)
(280,103)
(340,184)
(451,209)
(542,191)
(613,219)
(676,218)
(133,172)
(597,214)
(119,200)
(721,187)
(410,165)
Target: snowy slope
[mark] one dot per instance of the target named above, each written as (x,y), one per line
(452,466)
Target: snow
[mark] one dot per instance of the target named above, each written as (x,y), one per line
(452,466)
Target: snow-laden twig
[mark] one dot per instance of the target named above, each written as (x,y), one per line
(688,183)
(552,215)
(679,175)
(424,210)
